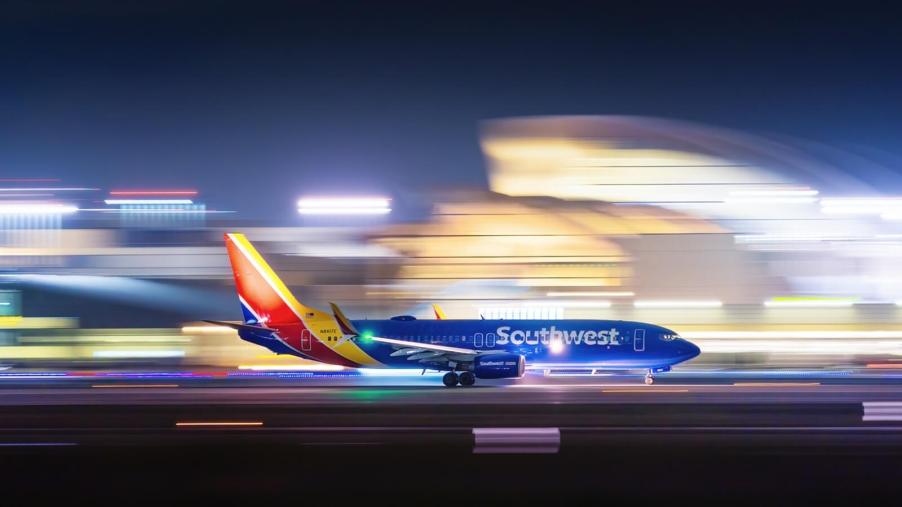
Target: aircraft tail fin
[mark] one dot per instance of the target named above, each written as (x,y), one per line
(265,300)
(439,313)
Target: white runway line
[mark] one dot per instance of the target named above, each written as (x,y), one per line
(516,440)
(882,411)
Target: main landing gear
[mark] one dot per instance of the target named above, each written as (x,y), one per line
(465,378)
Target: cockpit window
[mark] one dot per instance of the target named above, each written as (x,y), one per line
(669,337)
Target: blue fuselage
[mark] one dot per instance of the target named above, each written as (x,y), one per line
(606,344)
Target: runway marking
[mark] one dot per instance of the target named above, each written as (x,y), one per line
(644,390)
(219,423)
(516,440)
(37,444)
(776,384)
(881,411)
(129,386)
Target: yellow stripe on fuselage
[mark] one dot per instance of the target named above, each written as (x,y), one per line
(321,325)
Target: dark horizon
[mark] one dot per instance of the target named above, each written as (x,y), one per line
(292,98)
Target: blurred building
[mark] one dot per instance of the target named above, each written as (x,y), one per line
(754,248)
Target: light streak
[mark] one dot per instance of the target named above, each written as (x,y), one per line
(569,304)
(212,329)
(148,201)
(131,386)
(804,302)
(153,192)
(776,384)
(775,193)
(344,206)
(291,367)
(580,294)
(214,424)
(638,389)
(37,209)
(120,354)
(710,303)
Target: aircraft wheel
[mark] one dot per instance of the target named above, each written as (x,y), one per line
(467,378)
(450,379)
(649,379)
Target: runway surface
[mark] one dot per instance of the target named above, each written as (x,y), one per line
(782,435)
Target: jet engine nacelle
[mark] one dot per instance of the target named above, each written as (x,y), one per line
(499,366)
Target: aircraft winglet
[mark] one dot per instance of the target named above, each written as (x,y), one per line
(343,322)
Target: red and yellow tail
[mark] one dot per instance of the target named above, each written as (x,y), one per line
(267,302)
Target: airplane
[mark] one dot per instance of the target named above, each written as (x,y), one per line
(465,349)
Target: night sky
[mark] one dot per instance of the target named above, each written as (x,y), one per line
(256,104)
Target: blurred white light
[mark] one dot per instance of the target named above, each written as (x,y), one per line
(396,372)
(861,206)
(556,347)
(710,303)
(148,201)
(809,303)
(211,329)
(36,209)
(609,294)
(344,206)
(569,304)
(807,192)
(771,200)
(291,367)
(344,211)
(800,334)
(121,354)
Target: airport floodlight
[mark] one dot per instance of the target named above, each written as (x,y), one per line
(344,206)
(37,209)
(648,303)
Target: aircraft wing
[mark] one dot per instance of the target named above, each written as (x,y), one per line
(429,353)
(425,346)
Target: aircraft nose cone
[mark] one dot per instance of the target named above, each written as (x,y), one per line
(692,350)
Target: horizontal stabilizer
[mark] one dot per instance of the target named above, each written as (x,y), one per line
(241,327)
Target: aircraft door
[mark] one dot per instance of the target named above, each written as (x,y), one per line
(490,340)
(306,341)
(639,340)
(477,340)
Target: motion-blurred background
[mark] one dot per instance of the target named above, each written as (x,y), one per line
(729,172)
(761,252)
